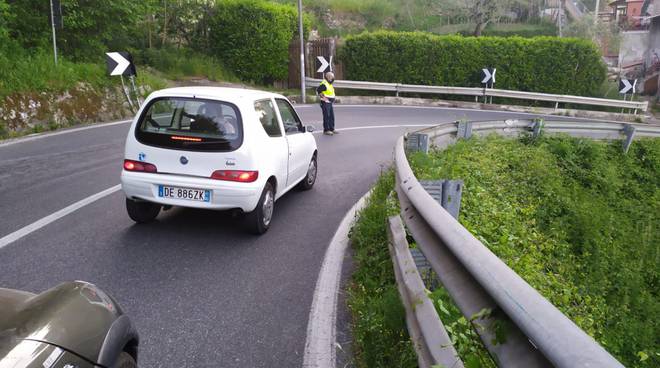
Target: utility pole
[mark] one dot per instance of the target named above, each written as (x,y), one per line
(596,12)
(52,23)
(560,17)
(302,51)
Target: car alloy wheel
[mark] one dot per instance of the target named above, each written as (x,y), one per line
(267,208)
(311,173)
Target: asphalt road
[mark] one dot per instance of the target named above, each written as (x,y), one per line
(201,291)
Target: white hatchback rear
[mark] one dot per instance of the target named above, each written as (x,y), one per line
(216,148)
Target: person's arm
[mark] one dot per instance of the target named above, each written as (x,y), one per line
(319,91)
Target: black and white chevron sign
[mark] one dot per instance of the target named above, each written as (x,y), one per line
(627,86)
(488,75)
(120,63)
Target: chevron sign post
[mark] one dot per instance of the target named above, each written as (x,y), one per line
(627,86)
(488,80)
(323,65)
(488,75)
(121,64)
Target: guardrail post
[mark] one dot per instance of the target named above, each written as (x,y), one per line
(417,142)
(629,131)
(396,88)
(464,130)
(537,128)
(448,194)
(452,191)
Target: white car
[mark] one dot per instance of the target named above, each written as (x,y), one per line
(216,148)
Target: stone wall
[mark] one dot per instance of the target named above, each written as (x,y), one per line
(82,104)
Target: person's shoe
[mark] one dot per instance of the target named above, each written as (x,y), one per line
(328,132)
(334,132)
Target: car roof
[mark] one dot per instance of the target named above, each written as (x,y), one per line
(220,93)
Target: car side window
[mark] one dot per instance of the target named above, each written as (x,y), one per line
(268,118)
(290,119)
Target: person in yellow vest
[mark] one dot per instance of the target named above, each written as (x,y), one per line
(326,92)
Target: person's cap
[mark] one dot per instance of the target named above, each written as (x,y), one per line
(329,75)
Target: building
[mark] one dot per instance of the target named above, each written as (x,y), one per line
(628,13)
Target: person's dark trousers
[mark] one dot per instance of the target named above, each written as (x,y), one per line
(328,116)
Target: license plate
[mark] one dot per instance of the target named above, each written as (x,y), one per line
(188,194)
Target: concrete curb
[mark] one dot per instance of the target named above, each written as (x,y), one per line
(320,344)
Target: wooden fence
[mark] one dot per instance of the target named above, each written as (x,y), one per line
(326,47)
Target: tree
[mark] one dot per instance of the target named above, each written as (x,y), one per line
(606,35)
(91,27)
(484,12)
(4,17)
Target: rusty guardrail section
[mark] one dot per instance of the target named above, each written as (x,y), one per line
(484,92)
(488,293)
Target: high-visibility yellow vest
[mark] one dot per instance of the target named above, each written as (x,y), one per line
(329,89)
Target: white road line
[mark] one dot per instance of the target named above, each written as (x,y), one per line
(8,239)
(33,137)
(322,325)
(381,127)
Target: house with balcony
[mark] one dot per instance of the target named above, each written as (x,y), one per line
(629,14)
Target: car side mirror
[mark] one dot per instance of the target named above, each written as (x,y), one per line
(309,128)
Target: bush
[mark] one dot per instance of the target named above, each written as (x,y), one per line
(252,38)
(541,64)
(91,28)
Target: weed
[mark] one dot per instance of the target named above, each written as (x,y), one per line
(577,219)
(380,338)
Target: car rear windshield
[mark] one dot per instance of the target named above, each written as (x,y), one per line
(191,124)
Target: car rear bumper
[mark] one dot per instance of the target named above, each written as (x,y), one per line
(225,195)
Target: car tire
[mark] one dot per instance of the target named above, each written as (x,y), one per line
(258,221)
(125,360)
(312,171)
(142,212)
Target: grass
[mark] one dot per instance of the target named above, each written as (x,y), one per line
(501,29)
(177,64)
(380,338)
(33,73)
(23,73)
(461,331)
(577,219)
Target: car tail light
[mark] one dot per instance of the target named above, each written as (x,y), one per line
(130,165)
(235,175)
(185,139)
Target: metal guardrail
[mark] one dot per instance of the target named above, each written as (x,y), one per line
(485,92)
(485,289)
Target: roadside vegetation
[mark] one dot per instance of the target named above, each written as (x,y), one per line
(504,17)
(380,338)
(577,219)
(569,65)
(232,41)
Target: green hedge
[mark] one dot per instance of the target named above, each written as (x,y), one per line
(516,29)
(540,64)
(252,38)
